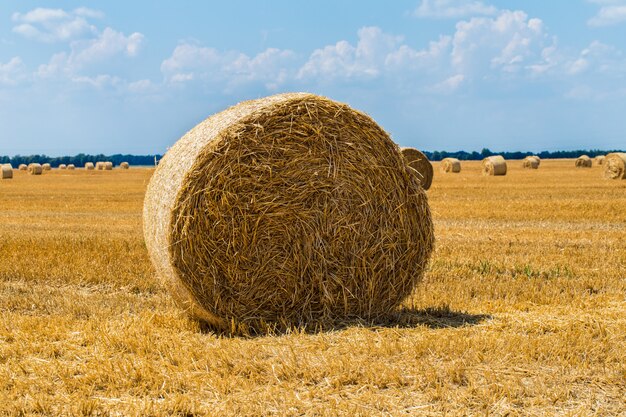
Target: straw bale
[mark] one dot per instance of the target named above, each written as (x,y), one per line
(46,167)
(287,210)
(494,165)
(419,162)
(23,167)
(6,171)
(451,165)
(89,166)
(124,165)
(583,161)
(600,159)
(108,166)
(615,166)
(62,166)
(100,166)
(531,162)
(71,167)
(35,169)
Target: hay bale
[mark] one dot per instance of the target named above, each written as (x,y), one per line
(46,167)
(285,210)
(583,161)
(124,165)
(89,166)
(531,162)
(100,166)
(23,167)
(62,166)
(494,165)
(600,159)
(35,169)
(71,167)
(451,165)
(615,166)
(6,171)
(419,162)
(108,166)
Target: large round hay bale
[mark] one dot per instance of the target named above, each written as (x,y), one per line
(600,159)
(615,166)
(62,166)
(494,165)
(419,162)
(46,167)
(108,166)
(284,210)
(23,167)
(124,165)
(71,167)
(6,171)
(583,161)
(35,169)
(100,166)
(451,165)
(531,162)
(89,166)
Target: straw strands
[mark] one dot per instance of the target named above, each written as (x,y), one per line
(531,162)
(615,166)
(494,165)
(7,171)
(419,162)
(287,210)
(35,169)
(451,165)
(583,161)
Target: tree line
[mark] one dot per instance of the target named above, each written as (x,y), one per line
(477,156)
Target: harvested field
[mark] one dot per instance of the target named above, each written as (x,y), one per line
(522,311)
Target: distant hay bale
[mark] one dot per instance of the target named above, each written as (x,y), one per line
(419,162)
(600,159)
(100,166)
(124,165)
(23,167)
(531,162)
(450,165)
(7,171)
(62,166)
(46,167)
(35,169)
(286,210)
(89,166)
(71,167)
(108,166)
(583,161)
(615,166)
(494,165)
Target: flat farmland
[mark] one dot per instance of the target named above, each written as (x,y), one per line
(522,310)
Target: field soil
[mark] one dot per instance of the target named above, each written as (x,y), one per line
(522,310)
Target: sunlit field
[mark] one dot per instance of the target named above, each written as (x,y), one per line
(522,311)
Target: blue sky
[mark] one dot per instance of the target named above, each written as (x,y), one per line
(132,77)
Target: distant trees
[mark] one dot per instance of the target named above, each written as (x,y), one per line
(476,156)
(80,159)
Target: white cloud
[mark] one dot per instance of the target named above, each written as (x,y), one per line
(55,25)
(453,9)
(11,72)
(449,85)
(597,58)
(611,12)
(197,63)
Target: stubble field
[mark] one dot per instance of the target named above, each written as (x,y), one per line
(522,311)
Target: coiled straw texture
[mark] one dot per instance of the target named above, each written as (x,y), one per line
(615,166)
(494,165)
(419,162)
(451,165)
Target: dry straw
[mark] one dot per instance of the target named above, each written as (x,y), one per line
(531,162)
(615,166)
(124,165)
(71,167)
(46,167)
(451,165)
(7,171)
(583,161)
(287,210)
(23,167)
(89,166)
(494,165)
(62,166)
(600,159)
(108,166)
(35,169)
(100,166)
(419,162)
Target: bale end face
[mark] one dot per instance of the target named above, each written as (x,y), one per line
(494,165)
(531,162)
(35,169)
(615,166)
(287,210)
(451,165)
(583,161)
(420,163)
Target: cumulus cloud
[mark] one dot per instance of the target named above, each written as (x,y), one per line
(453,9)
(55,25)
(611,12)
(190,62)
(12,71)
